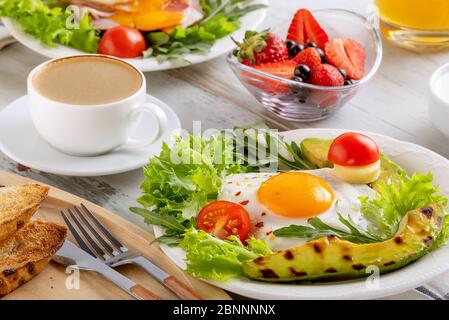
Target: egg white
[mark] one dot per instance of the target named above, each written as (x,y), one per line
(242,188)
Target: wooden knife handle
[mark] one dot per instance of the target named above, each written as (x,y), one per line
(181,289)
(141,293)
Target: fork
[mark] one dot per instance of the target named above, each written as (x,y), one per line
(113,253)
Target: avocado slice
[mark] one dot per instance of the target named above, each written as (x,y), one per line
(390,172)
(332,258)
(315,150)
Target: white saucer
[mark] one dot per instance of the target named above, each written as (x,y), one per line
(20,141)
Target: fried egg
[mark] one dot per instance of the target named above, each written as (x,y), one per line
(277,200)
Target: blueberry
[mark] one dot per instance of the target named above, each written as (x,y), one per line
(293,51)
(343,73)
(321,53)
(312,44)
(348,82)
(302,71)
(290,44)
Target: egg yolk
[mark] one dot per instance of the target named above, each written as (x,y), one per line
(296,195)
(146,15)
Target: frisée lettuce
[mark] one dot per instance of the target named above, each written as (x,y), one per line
(215,259)
(393,200)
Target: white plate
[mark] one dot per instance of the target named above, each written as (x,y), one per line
(411,157)
(20,141)
(250,21)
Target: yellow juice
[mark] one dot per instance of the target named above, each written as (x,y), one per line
(421,15)
(415,24)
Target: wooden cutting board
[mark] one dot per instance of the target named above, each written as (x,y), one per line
(55,283)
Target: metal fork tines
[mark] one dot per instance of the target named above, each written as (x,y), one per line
(94,238)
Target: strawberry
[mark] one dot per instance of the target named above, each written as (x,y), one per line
(347,54)
(304,28)
(285,69)
(326,75)
(261,47)
(310,57)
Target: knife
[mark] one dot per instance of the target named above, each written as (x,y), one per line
(70,255)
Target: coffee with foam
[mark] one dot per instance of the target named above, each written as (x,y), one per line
(87,80)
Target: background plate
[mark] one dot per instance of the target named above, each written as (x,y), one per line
(411,157)
(222,46)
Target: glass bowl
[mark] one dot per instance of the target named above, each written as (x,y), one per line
(303,102)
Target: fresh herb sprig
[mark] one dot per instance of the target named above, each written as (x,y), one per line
(222,17)
(320,229)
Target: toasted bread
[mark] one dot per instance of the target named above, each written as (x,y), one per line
(17,206)
(27,252)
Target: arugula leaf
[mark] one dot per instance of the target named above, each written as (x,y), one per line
(393,200)
(167,221)
(49,24)
(215,259)
(222,19)
(297,231)
(319,229)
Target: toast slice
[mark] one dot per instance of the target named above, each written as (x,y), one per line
(17,206)
(27,252)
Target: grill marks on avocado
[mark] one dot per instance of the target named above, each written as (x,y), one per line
(269,273)
(427,212)
(297,273)
(288,255)
(428,240)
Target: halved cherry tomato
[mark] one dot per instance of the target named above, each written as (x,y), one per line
(122,42)
(353,149)
(223,219)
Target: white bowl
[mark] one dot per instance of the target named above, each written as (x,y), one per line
(439,106)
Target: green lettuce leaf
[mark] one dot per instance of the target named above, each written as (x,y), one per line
(215,259)
(51,24)
(393,200)
(182,179)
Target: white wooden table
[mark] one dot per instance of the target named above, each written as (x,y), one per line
(393,103)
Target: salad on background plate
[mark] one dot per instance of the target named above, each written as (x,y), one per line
(330,207)
(152,34)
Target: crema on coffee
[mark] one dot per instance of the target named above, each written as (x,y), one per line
(87,80)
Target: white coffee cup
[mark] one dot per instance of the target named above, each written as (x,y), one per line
(439,99)
(96,129)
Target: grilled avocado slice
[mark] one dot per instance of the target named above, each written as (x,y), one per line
(332,258)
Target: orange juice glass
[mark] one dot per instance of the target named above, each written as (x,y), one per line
(417,24)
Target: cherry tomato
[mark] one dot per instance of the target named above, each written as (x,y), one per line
(122,42)
(223,219)
(353,149)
